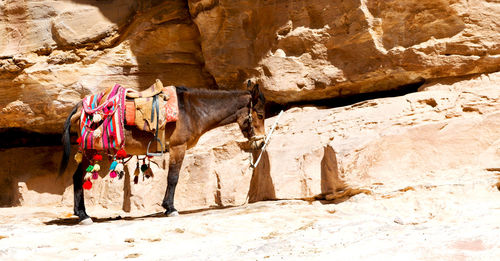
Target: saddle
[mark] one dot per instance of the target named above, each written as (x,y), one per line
(151,109)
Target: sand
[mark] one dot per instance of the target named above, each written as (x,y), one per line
(453,215)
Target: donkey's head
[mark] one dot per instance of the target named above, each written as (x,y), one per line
(252,124)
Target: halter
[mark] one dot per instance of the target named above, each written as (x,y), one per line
(250,121)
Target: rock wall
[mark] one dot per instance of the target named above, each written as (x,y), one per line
(378,144)
(56,52)
(306,50)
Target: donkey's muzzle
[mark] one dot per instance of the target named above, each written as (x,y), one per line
(257,142)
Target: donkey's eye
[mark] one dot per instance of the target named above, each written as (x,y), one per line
(260,116)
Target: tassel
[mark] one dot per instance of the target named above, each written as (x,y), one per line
(121,154)
(95,175)
(87,176)
(78,157)
(87,185)
(144,167)
(136,173)
(113,165)
(119,167)
(112,174)
(148,173)
(96,168)
(89,168)
(79,140)
(97,117)
(97,133)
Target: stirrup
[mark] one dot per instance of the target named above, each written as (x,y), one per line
(155,154)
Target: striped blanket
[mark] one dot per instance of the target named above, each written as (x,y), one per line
(101,123)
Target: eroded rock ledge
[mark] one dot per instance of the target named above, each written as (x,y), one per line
(56,52)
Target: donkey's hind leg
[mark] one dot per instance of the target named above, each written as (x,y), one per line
(175,164)
(79,203)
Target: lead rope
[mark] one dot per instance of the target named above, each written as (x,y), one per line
(266,141)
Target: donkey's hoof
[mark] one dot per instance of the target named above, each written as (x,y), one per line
(87,221)
(173,214)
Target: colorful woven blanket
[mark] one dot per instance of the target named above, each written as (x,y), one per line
(101,123)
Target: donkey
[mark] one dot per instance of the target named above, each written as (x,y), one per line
(199,111)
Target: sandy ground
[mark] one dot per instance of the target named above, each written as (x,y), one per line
(450,216)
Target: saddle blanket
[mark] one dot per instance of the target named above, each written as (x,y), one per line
(104,115)
(101,122)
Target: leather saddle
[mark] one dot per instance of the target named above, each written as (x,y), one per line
(153,90)
(147,110)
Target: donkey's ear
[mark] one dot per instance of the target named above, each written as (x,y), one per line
(255,91)
(249,84)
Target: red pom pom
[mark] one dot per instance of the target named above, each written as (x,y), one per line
(97,157)
(79,140)
(112,174)
(121,154)
(87,185)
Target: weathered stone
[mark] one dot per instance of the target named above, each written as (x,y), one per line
(70,49)
(56,52)
(374,144)
(322,49)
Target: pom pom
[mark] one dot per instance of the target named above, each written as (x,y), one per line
(121,174)
(113,165)
(148,173)
(136,179)
(87,176)
(95,175)
(79,140)
(144,167)
(121,154)
(87,185)
(78,157)
(90,168)
(97,157)
(119,167)
(96,168)
(97,117)
(97,133)
(112,174)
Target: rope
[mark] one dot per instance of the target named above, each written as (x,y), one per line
(266,141)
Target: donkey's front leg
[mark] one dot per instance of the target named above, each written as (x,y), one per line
(79,203)
(175,164)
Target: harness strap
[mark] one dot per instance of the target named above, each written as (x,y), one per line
(156,107)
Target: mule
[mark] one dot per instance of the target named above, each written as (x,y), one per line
(199,111)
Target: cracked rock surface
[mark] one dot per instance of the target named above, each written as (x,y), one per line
(56,52)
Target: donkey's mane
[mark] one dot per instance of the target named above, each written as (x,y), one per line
(208,92)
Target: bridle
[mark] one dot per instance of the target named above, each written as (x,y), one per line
(251,129)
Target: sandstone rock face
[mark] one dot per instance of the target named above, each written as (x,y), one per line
(384,144)
(319,49)
(56,52)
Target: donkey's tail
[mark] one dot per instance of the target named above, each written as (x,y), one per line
(66,140)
